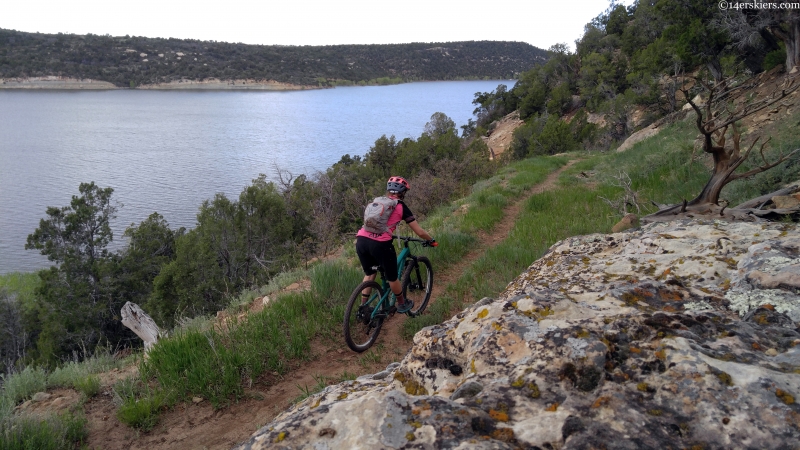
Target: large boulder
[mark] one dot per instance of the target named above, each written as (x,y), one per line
(675,335)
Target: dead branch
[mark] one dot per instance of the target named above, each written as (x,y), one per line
(628,198)
(766,198)
(717,121)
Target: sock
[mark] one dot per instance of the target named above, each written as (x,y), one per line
(364,298)
(400,298)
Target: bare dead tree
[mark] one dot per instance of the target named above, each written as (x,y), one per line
(722,139)
(326,209)
(14,338)
(629,198)
(285,177)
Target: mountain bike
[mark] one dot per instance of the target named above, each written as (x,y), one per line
(363,322)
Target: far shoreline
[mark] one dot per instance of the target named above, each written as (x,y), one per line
(57,83)
(213,84)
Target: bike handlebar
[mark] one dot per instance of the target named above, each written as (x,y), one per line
(431,243)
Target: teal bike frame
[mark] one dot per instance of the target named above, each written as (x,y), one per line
(363,320)
(385,303)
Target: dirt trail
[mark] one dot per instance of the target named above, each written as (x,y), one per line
(199,426)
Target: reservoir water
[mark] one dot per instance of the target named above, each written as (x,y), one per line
(167,151)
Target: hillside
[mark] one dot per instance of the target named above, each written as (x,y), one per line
(127,61)
(700,291)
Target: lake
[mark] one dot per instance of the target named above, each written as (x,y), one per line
(167,151)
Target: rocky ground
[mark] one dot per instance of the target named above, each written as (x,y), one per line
(676,335)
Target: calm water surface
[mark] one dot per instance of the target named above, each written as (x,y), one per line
(168,151)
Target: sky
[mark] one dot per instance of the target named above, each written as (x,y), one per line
(288,22)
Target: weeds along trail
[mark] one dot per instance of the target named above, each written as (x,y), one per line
(199,425)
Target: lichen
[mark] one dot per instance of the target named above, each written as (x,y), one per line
(498,415)
(725,378)
(701,305)
(534,388)
(483,313)
(503,434)
(414,388)
(784,396)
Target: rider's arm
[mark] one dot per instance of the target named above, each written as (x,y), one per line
(419,231)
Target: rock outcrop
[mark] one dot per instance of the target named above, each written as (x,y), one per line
(54,82)
(674,335)
(502,134)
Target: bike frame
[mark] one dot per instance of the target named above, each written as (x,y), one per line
(386,302)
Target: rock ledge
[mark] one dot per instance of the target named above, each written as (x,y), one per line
(673,335)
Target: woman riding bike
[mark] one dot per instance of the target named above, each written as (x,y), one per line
(374,240)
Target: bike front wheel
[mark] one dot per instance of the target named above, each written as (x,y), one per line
(418,284)
(361,329)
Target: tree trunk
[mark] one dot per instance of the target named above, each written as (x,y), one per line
(793,45)
(748,211)
(758,201)
(140,323)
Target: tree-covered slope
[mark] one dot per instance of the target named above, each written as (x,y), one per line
(125,59)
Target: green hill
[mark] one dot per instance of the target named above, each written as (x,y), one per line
(123,60)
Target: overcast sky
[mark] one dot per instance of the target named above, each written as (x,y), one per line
(292,22)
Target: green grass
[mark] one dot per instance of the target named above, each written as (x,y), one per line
(216,363)
(307,391)
(138,404)
(784,139)
(21,386)
(54,432)
(74,374)
(320,383)
(88,386)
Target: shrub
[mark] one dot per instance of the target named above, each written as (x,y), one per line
(54,432)
(20,386)
(88,386)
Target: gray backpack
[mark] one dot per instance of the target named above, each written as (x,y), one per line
(376,214)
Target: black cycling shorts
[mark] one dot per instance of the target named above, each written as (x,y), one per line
(377,253)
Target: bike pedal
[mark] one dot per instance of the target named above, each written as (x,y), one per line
(391,311)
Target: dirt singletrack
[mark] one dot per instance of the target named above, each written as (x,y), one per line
(198,426)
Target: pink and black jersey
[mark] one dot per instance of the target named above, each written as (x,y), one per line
(401,212)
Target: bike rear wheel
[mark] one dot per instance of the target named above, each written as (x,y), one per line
(361,330)
(418,284)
